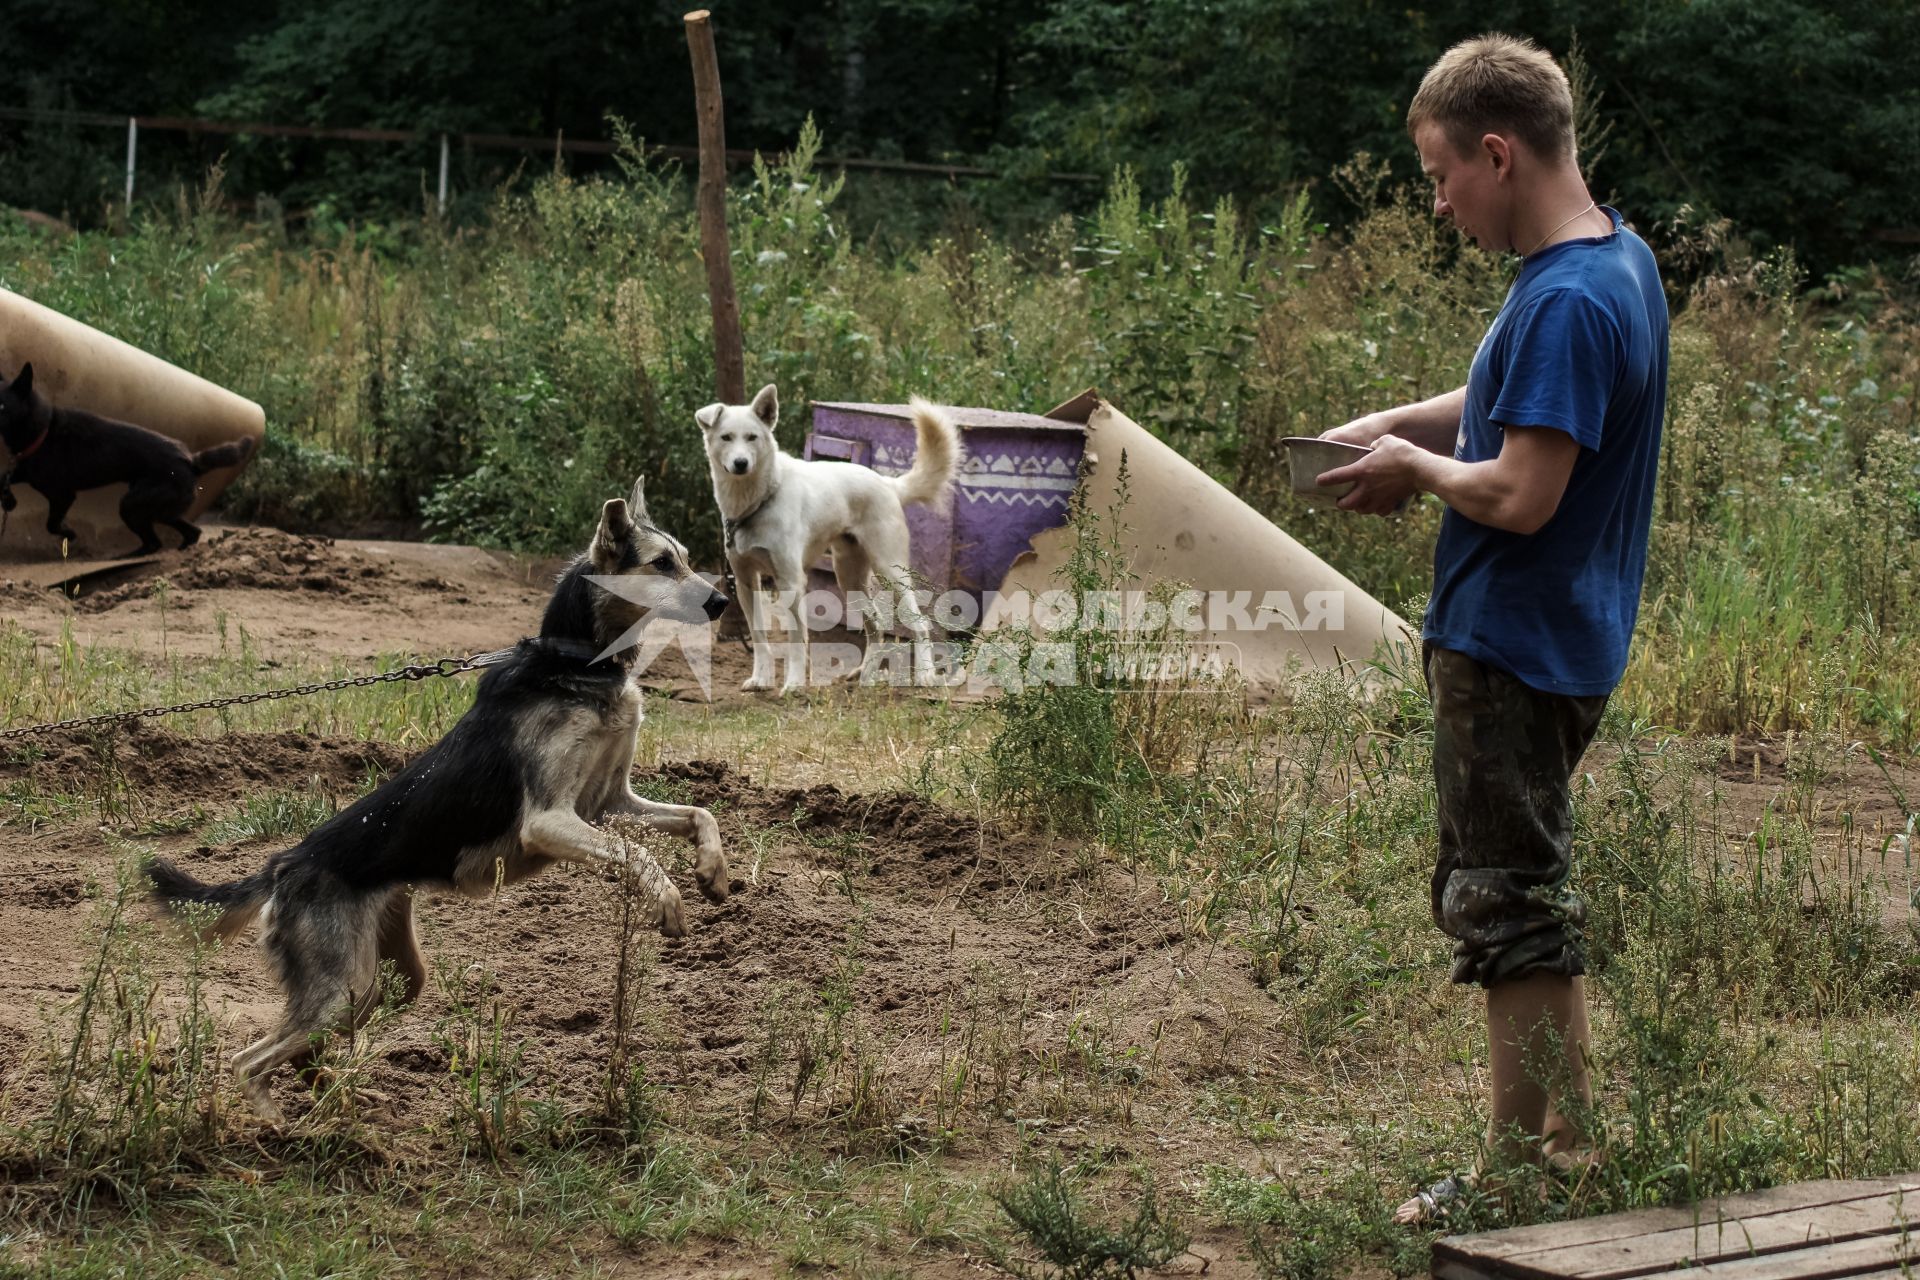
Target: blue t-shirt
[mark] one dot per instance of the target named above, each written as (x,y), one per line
(1581,347)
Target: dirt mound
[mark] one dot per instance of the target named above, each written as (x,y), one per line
(20,593)
(294,597)
(205,770)
(889,834)
(260,559)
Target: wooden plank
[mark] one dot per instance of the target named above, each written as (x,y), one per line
(192,124)
(65,575)
(1616,1226)
(1521,1251)
(1849,1258)
(1711,1242)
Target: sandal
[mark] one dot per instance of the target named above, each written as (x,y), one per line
(1437,1202)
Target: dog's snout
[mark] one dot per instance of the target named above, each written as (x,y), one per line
(716,605)
(739,466)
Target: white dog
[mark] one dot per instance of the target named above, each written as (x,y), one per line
(780,512)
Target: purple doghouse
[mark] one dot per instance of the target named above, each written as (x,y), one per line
(1018,474)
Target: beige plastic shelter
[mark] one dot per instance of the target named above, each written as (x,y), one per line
(1183,526)
(77,367)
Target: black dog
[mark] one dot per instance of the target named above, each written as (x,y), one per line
(63,451)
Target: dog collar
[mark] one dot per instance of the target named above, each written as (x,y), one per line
(33,448)
(728,528)
(562,647)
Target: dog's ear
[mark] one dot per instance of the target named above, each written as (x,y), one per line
(23,381)
(615,523)
(637,501)
(708,416)
(766,406)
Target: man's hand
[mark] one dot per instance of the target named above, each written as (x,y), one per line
(1383,480)
(1361,431)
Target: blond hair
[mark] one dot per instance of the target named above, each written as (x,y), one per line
(1497,84)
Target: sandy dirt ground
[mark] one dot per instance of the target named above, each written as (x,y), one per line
(943,919)
(295,595)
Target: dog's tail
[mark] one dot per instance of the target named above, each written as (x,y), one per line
(935,461)
(239,901)
(223,455)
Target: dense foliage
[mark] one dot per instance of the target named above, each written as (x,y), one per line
(1799,121)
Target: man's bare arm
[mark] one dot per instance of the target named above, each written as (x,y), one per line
(1519,490)
(1432,424)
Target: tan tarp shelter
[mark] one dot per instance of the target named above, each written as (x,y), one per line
(1183,526)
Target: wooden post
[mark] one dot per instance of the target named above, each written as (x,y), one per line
(729,363)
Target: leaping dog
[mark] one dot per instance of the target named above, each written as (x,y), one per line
(515,786)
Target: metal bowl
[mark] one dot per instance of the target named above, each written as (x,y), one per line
(1310,456)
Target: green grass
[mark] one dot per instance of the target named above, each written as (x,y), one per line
(567,1210)
(43,682)
(269,815)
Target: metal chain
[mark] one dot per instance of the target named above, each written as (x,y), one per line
(727,529)
(412,671)
(733,592)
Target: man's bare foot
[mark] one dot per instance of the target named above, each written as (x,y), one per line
(1573,1168)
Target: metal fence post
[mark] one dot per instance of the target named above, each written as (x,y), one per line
(443,175)
(133,145)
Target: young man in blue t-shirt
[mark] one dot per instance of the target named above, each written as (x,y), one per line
(1545,459)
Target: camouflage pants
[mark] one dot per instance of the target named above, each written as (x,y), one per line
(1503,758)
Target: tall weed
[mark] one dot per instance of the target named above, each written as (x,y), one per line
(132,1059)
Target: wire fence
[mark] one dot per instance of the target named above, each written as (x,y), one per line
(557,145)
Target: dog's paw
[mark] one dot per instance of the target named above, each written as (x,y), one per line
(714,879)
(673,916)
(261,1102)
(755,684)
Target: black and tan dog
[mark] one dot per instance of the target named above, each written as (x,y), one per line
(63,452)
(514,787)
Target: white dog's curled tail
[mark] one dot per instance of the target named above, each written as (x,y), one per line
(935,461)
